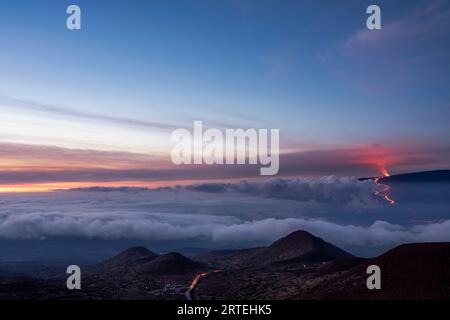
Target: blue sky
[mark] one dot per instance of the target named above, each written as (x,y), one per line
(310,68)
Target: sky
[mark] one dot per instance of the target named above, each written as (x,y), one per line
(97,106)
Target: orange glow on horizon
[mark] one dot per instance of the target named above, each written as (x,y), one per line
(50,187)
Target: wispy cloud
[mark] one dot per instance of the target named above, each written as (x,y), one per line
(412,47)
(33,164)
(64,111)
(22,157)
(431,19)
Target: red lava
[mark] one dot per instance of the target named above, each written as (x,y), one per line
(385,188)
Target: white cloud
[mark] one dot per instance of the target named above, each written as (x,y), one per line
(343,211)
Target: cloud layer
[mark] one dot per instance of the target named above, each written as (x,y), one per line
(343,211)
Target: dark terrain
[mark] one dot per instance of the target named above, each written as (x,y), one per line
(411,271)
(423,176)
(298,266)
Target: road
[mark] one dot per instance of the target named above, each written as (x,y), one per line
(189,292)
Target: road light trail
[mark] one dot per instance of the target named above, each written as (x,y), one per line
(196,280)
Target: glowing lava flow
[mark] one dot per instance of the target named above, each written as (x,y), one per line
(385,187)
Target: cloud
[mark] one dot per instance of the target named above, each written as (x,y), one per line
(34,164)
(341,191)
(409,50)
(211,228)
(432,18)
(60,111)
(379,233)
(27,157)
(329,189)
(228,119)
(343,211)
(106,189)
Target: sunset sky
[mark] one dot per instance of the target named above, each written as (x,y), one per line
(97,106)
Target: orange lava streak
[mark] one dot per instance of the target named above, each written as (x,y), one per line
(385,188)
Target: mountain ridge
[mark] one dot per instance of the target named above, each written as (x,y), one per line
(297,266)
(421,176)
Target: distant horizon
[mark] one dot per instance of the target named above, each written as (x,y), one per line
(168,184)
(97,106)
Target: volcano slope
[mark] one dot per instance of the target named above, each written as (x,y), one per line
(298,266)
(410,271)
(136,273)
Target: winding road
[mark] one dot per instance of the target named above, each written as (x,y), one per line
(189,292)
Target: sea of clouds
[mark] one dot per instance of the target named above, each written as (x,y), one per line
(343,211)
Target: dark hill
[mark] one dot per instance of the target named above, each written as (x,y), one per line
(424,176)
(409,271)
(170,264)
(133,255)
(124,261)
(299,246)
(412,271)
(418,270)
